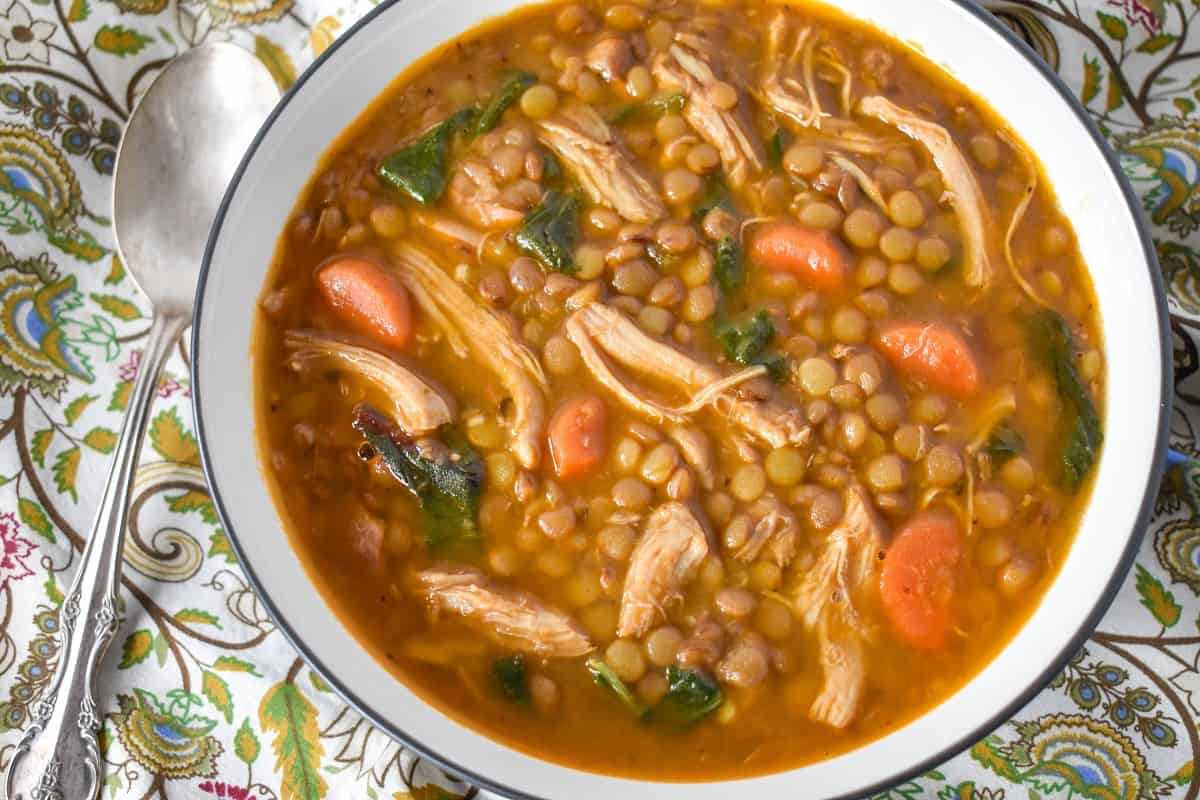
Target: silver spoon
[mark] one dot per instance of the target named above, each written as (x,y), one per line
(180,149)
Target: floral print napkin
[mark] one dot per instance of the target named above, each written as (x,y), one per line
(202,697)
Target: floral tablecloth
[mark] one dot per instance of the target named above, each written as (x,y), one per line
(202,695)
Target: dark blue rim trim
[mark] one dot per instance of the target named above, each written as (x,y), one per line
(1069,648)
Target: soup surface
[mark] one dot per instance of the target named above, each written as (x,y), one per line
(679,390)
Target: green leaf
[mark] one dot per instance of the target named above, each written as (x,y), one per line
(318,682)
(512,85)
(234,664)
(690,697)
(120,396)
(746,343)
(119,40)
(1157,42)
(66,470)
(53,593)
(79,11)
(285,712)
(1004,443)
(216,690)
(1115,27)
(1184,105)
(161,648)
(171,441)
(194,500)
(1115,98)
(245,743)
(32,515)
(550,230)
(39,443)
(448,490)
(987,755)
(509,676)
(716,195)
(1091,79)
(136,648)
(102,440)
(119,307)
(420,169)
(218,547)
(76,407)
(777,145)
(1160,602)
(605,678)
(197,616)
(116,270)
(1183,775)
(278,63)
(648,112)
(730,266)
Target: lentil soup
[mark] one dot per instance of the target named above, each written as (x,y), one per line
(718,379)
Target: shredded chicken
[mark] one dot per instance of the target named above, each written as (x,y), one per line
(668,554)
(609,174)
(472,329)
(417,406)
(775,532)
(475,195)
(962,189)
(778,87)
(689,64)
(697,452)
(610,58)
(510,617)
(1015,221)
(824,601)
(601,333)
(868,185)
(449,228)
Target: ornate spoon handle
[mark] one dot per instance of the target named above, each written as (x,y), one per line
(58,757)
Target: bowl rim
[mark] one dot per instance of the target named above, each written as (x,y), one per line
(985,726)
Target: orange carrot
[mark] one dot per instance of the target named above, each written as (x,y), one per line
(930,353)
(578,435)
(811,255)
(917,583)
(369,298)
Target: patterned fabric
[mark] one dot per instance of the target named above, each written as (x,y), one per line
(203,698)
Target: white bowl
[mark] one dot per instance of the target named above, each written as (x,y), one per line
(982,55)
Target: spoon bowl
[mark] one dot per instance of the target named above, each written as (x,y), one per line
(180,149)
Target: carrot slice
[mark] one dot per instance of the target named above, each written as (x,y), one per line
(369,298)
(918,579)
(578,436)
(811,255)
(931,353)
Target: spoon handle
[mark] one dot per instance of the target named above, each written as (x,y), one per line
(58,757)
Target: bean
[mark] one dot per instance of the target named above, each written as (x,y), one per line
(909,441)
(625,17)
(574,19)
(616,541)
(631,494)
(628,454)
(553,563)
(557,523)
(719,224)
(846,395)
(603,220)
(886,473)
(538,102)
(854,431)
(745,665)
(525,275)
(803,159)
(1017,473)
(1056,240)
(817,376)
(943,466)
(676,237)
(776,195)
(871,271)
(995,550)
(681,186)
(737,532)
(659,463)
(388,221)
(502,469)
(993,508)
(773,619)
(765,576)
(669,128)
(698,271)
(848,325)
(735,603)
(544,692)
(986,150)
(906,208)
(660,34)
(485,434)
(873,303)
(862,227)
(702,158)
(1019,575)
(639,83)
(821,215)
(560,355)
(583,588)
(748,482)
(634,277)
(719,506)
(625,658)
(784,466)
(661,644)
(681,485)
(652,688)
(599,620)
(1090,364)
(884,411)
(722,95)
(898,244)
(905,279)
(930,408)
(932,253)
(825,510)
(589,87)
(668,292)
(504,560)
(700,303)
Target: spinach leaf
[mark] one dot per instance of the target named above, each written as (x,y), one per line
(552,171)
(1004,443)
(420,169)
(605,678)
(746,343)
(550,231)
(690,697)
(448,487)
(509,675)
(1080,435)
(511,88)
(645,112)
(730,266)
(716,195)
(777,145)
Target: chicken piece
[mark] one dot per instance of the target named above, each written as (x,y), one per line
(366,537)
(778,87)
(697,452)
(609,174)
(475,195)
(962,189)
(610,58)
(471,329)
(418,407)
(825,599)
(599,331)
(775,532)
(689,64)
(510,617)
(449,229)
(668,554)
